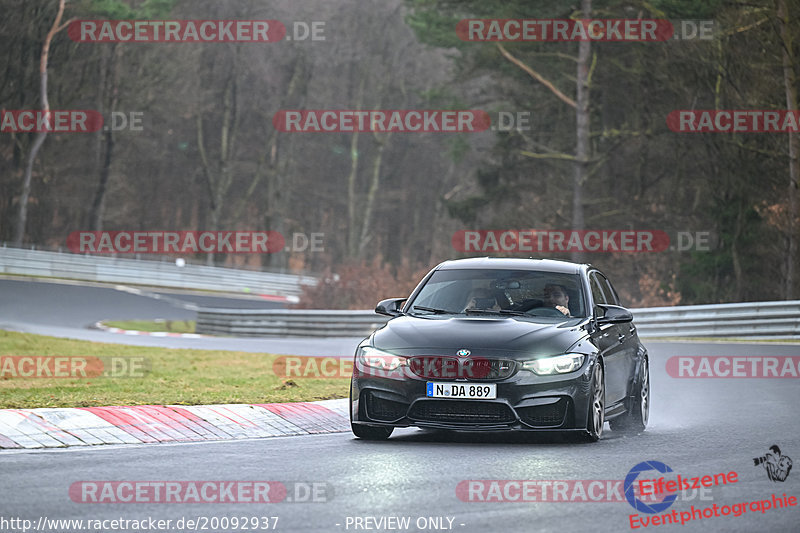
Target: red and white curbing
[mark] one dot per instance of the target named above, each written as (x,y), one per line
(90,426)
(103,327)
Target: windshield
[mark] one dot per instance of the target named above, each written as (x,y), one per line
(487,291)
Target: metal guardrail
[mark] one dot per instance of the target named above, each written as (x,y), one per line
(762,319)
(752,319)
(291,323)
(154,273)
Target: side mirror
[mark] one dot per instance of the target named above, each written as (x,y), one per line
(611,314)
(390,307)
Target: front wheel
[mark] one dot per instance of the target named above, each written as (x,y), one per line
(635,420)
(371,432)
(597,407)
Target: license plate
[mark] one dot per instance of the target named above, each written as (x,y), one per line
(465,391)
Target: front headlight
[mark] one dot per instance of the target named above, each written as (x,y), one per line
(560,364)
(374,358)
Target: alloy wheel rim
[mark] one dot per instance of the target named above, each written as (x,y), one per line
(598,401)
(645,395)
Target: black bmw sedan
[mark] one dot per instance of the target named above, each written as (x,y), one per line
(498,344)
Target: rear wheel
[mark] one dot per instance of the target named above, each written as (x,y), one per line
(597,407)
(635,420)
(371,432)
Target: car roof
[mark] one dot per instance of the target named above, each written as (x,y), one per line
(508,263)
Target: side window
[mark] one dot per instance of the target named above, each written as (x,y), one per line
(611,294)
(597,292)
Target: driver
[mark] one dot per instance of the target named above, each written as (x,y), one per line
(482,299)
(556,296)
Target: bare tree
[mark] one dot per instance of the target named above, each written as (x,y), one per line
(582,156)
(107,99)
(790,84)
(219,174)
(582,125)
(22,216)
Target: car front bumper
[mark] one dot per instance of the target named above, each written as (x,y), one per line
(525,402)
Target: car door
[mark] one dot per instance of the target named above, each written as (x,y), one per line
(612,349)
(627,332)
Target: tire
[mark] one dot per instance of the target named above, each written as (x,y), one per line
(634,421)
(371,432)
(597,405)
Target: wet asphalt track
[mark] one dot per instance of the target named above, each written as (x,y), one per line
(67,310)
(697,427)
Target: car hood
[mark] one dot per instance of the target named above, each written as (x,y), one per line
(481,335)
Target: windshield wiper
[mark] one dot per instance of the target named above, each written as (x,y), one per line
(431,310)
